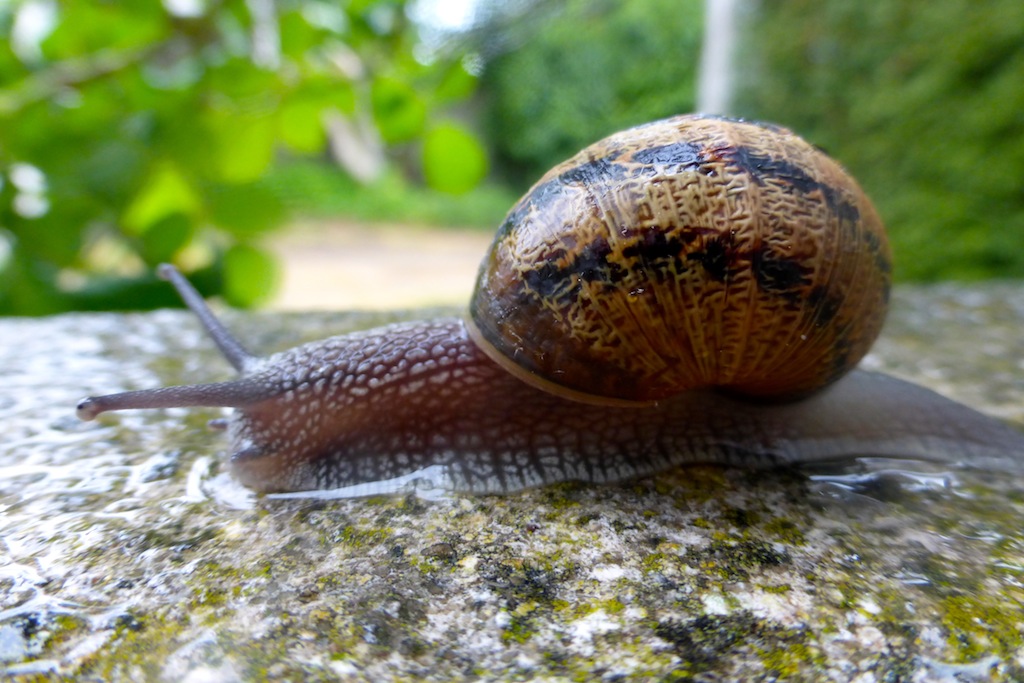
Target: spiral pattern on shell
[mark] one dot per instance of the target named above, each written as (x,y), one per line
(685,253)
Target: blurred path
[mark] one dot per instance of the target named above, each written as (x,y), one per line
(340,265)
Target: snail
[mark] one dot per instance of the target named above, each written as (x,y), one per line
(697,289)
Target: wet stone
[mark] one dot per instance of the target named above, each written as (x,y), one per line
(127,554)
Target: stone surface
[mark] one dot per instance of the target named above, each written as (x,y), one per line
(127,555)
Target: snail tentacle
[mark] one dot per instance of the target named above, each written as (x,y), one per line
(234,394)
(228,344)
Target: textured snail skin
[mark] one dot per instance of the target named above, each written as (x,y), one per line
(377,405)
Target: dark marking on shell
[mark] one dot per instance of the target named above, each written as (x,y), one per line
(881,260)
(777,274)
(547,281)
(540,200)
(593,264)
(762,167)
(715,259)
(514,218)
(825,306)
(654,246)
(595,172)
(681,156)
(562,282)
(843,349)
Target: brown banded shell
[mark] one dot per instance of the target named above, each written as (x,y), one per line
(685,253)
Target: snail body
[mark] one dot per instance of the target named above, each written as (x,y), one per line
(692,290)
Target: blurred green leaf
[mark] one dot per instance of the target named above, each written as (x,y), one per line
(165,192)
(245,209)
(297,35)
(324,192)
(301,126)
(399,111)
(55,238)
(86,27)
(453,159)
(27,285)
(245,147)
(251,276)
(113,169)
(456,83)
(166,237)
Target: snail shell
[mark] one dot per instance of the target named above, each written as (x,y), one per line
(633,303)
(687,253)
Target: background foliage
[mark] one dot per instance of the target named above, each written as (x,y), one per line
(588,68)
(132,134)
(923,100)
